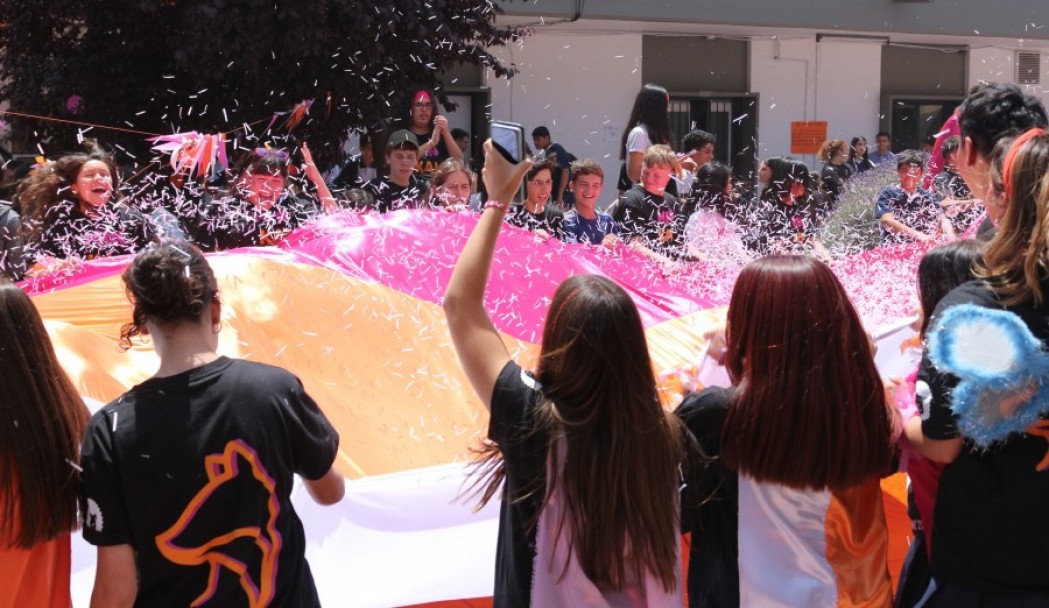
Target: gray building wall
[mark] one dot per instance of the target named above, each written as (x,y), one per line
(1010,19)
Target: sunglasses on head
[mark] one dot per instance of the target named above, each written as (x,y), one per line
(280,155)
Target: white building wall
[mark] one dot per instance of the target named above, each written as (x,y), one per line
(838,81)
(782,73)
(580,85)
(998,64)
(848,87)
(990,64)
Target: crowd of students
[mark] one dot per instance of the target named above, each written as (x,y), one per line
(672,206)
(775,478)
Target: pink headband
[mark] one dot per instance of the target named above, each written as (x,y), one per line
(1010,157)
(421,96)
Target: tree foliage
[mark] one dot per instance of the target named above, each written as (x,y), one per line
(164,66)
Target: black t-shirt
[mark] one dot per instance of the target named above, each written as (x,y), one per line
(658,220)
(730,208)
(219,223)
(563,159)
(353,174)
(195,471)
(992,528)
(118,229)
(861,165)
(516,400)
(772,227)
(551,220)
(624,183)
(949,184)
(429,162)
(11,264)
(710,505)
(391,197)
(834,177)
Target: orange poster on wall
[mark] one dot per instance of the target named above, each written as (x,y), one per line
(806,136)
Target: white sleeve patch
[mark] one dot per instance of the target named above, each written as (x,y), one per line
(924,395)
(530,381)
(93,517)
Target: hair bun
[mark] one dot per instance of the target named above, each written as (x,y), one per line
(169,283)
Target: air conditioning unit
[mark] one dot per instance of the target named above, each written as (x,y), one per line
(1028,67)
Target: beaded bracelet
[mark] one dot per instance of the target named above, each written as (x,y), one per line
(497,205)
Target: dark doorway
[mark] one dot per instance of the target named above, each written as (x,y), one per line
(913,120)
(732,119)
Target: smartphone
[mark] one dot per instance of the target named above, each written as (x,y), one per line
(508,140)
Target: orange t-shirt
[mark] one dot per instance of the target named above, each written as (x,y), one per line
(37,577)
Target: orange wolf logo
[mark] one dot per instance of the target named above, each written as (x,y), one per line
(222,469)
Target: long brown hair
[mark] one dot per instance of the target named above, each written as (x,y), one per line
(51,186)
(43,422)
(1016,260)
(444,171)
(809,410)
(620,475)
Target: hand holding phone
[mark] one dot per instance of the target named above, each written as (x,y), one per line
(502,179)
(508,140)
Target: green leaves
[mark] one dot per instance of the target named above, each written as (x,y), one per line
(212,65)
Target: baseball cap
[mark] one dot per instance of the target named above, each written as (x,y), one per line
(400,138)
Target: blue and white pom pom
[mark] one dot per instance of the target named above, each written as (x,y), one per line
(995,356)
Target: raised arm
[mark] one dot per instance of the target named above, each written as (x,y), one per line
(481,351)
(314,175)
(441,128)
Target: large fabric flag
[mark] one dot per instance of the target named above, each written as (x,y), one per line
(351,305)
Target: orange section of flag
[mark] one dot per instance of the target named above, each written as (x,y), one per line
(379,362)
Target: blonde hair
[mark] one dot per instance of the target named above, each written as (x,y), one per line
(830,148)
(659,154)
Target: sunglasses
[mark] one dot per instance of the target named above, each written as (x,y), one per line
(280,155)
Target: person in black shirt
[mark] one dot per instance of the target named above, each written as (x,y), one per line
(188,476)
(262,210)
(992,113)
(956,198)
(836,172)
(71,209)
(537,213)
(547,148)
(358,168)
(403,187)
(787,216)
(649,218)
(859,161)
(11,264)
(569,535)
(988,544)
(431,130)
